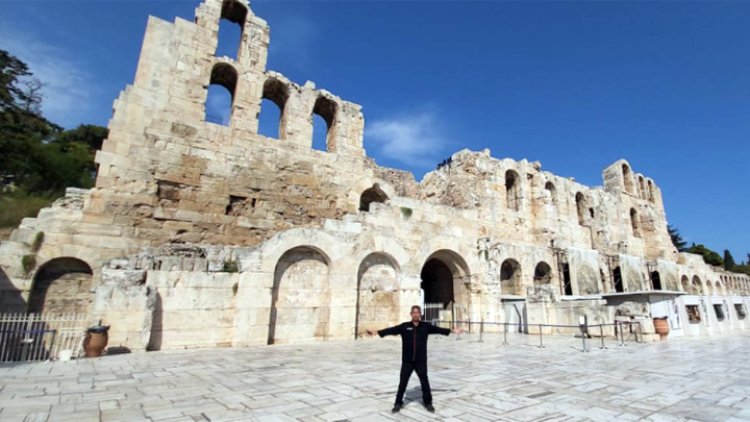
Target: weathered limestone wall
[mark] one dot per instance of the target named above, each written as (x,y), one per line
(203,235)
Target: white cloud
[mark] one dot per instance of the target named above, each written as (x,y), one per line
(415,140)
(68,87)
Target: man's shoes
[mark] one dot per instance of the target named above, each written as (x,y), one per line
(396,408)
(429,408)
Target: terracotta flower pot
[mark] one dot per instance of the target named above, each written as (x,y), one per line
(661,325)
(95,341)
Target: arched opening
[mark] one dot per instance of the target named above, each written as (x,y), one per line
(552,191)
(510,278)
(511,190)
(635,223)
(542,274)
(62,285)
(617,279)
(377,293)
(642,187)
(567,287)
(685,284)
(627,179)
(651,191)
(11,300)
(233,16)
(220,97)
(324,119)
(581,208)
(271,120)
(300,304)
(697,287)
(655,280)
(444,282)
(373,194)
(588,284)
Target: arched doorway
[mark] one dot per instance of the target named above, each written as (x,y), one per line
(655,280)
(62,285)
(617,279)
(300,298)
(444,278)
(510,277)
(377,293)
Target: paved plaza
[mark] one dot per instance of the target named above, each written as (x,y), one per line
(682,379)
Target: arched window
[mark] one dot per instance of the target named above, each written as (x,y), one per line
(635,223)
(685,283)
(581,208)
(324,120)
(233,15)
(550,187)
(642,187)
(651,192)
(617,279)
(373,194)
(655,280)
(220,97)
(697,287)
(542,274)
(510,277)
(271,120)
(627,179)
(511,189)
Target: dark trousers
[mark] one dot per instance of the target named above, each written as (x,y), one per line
(406,370)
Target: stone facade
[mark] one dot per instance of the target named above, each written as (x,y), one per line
(199,234)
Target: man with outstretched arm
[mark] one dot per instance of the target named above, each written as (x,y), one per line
(414,353)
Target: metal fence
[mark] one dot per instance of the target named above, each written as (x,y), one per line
(585,337)
(38,337)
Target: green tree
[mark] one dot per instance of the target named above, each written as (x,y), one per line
(37,155)
(677,239)
(709,256)
(728,261)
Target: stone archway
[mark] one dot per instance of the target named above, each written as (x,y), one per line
(300,297)
(444,280)
(62,285)
(377,293)
(510,277)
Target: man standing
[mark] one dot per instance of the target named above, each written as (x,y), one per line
(414,353)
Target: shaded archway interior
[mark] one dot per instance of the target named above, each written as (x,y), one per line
(62,285)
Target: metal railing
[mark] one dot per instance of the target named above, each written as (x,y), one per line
(38,337)
(591,335)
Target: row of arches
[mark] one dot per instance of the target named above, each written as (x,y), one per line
(306,305)
(645,188)
(272,119)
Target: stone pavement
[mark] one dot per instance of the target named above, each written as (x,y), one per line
(682,379)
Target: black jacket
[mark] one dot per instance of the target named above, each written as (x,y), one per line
(414,339)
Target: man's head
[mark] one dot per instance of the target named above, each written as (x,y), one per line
(416,313)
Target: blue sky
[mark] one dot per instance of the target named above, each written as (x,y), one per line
(575,85)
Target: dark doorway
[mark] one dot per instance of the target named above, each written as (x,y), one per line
(437,282)
(567,287)
(655,280)
(617,277)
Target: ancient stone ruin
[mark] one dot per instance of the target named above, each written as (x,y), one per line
(200,234)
